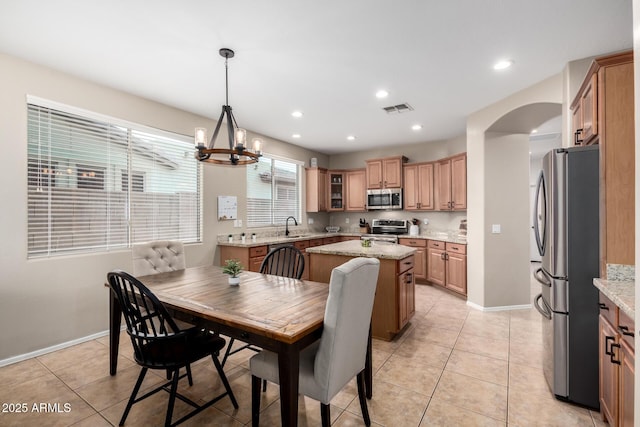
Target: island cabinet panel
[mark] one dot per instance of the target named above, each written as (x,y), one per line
(394,304)
(420,257)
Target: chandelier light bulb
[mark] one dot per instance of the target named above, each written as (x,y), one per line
(241,137)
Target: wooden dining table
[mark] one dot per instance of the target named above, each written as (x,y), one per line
(276,313)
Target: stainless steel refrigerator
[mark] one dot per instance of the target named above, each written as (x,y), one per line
(566,225)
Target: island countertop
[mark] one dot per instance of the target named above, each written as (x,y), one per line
(355,249)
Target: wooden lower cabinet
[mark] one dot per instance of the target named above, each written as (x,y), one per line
(394,305)
(447,265)
(250,257)
(420,267)
(616,361)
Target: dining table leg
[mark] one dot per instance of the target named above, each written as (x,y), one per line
(115,314)
(289,371)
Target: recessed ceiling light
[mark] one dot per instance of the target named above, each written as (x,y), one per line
(382,94)
(416,127)
(351,138)
(297,114)
(504,64)
(296,135)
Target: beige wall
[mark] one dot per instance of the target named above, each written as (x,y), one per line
(47,302)
(507,204)
(484,264)
(422,152)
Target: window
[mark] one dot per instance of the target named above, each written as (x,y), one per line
(90,177)
(137,181)
(79,197)
(273,191)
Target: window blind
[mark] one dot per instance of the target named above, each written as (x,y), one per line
(273,191)
(96,184)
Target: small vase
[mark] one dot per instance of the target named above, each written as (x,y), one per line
(234,281)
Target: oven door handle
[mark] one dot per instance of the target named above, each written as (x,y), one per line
(541,277)
(542,310)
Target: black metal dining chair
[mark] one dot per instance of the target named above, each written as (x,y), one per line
(159,343)
(286,261)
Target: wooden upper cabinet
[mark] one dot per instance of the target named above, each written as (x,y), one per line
(316,189)
(385,173)
(452,183)
(589,104)
(584,116)
(459,182)
(336,192)
(604,109)
(355,190)
(418,186)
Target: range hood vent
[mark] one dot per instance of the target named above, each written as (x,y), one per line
(400,108)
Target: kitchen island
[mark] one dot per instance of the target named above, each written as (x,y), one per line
(394,304)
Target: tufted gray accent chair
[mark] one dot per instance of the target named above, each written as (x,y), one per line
(159,256)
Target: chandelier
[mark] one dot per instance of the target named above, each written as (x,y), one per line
(237,153)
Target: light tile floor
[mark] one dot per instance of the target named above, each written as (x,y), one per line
(452,366)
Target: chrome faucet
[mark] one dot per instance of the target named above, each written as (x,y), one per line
(286,224)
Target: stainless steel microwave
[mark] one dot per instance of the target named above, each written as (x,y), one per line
(388,198)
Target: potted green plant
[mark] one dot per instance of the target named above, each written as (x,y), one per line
(233,268)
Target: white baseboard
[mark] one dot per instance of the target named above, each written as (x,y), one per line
(53,348)
(499,308)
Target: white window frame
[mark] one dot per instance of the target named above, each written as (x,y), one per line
(299,183)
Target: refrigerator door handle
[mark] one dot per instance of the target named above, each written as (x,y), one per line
(542,310)
(541,277)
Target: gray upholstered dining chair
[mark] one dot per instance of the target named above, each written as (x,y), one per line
(327,365)
(159,256)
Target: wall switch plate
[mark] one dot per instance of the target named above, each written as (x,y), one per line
(495,229)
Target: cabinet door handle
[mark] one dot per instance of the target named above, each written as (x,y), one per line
(607,351)
(577,140)
(625,331)
(603,306)
(617,362)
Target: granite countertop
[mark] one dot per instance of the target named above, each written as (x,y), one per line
(269,240)
(355,248)
(622,293)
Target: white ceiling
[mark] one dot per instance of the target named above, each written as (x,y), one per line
(326,58)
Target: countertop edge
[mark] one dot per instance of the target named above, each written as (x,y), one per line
(310,236)
(622,293)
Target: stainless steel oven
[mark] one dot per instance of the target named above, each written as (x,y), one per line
(388,198)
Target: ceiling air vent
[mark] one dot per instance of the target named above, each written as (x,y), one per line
(400,108)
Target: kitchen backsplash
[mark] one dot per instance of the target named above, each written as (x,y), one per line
(436,220)
(621,273)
